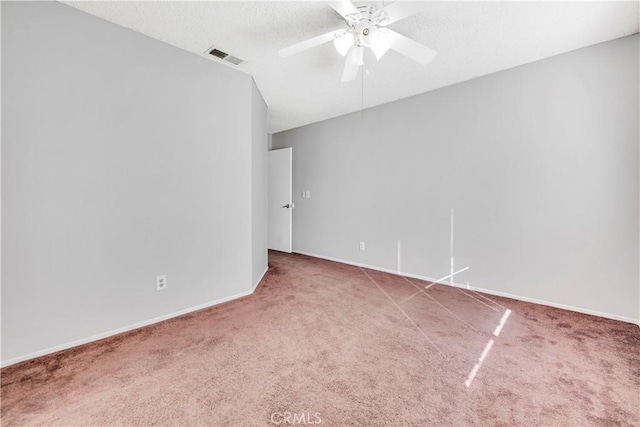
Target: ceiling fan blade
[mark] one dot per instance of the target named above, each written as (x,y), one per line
(397,11)
(410,48)
(343,7)
(352,64)
(309,43)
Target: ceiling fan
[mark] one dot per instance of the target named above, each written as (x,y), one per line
(366,29)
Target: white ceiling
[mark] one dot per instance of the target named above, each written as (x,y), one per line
(472,39)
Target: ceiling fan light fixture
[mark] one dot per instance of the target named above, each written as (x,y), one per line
(355,55)
(343,43)
(382,44)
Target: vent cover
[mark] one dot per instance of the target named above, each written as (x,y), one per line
(217,53)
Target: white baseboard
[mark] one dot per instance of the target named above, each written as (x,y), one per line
(255,285)
(486,291)
(127,328)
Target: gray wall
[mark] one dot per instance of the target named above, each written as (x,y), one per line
(539,162)
(259,188)
(123,158)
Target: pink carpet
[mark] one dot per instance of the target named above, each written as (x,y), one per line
(329,344)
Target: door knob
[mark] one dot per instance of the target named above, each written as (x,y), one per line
(288,206)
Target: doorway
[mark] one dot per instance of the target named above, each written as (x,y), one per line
(280,199)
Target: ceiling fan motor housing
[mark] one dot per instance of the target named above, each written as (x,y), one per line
(367,32)
(364,25)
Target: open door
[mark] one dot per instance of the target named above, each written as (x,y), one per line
(280,201)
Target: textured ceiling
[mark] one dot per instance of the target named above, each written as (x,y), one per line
(472,39)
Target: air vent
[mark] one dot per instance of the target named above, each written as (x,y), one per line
(217,53)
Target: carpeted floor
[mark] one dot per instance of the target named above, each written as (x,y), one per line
(331,344)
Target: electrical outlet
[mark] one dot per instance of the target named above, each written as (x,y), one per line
(362,246)
(307,194)
(161,283)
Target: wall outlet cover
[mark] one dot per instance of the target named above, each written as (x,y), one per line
(161,283)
